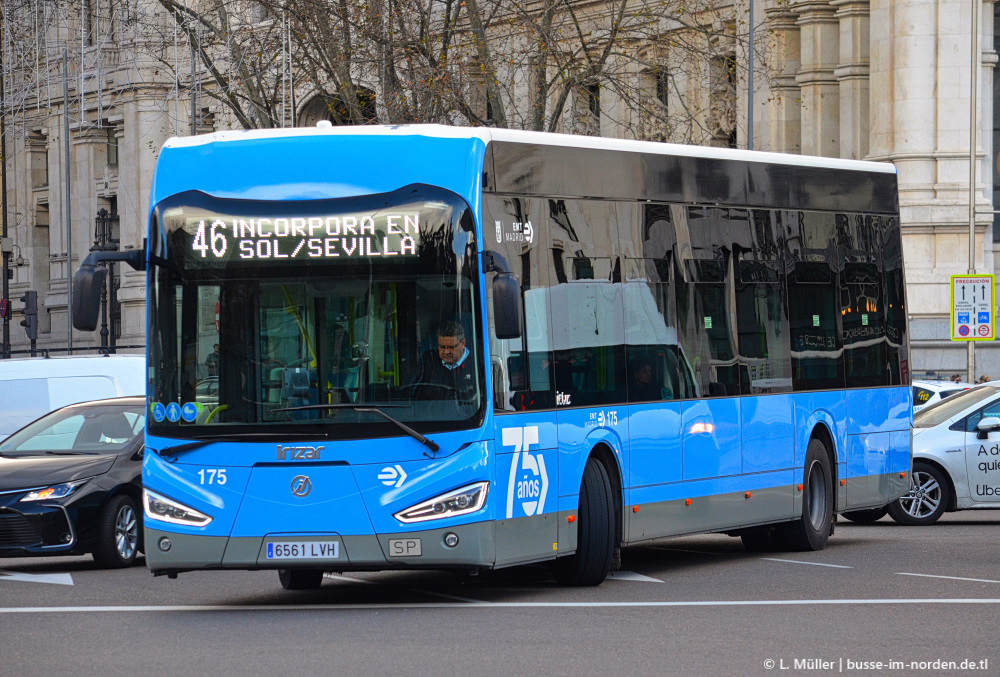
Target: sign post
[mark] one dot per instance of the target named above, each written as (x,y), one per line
(973,313)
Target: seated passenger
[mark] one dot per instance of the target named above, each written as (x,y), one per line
(641,385)
(448,366)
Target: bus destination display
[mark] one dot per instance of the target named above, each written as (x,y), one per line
(305,237)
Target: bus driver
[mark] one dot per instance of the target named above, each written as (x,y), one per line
(447,366)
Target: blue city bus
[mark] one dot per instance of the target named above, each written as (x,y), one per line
(417,347)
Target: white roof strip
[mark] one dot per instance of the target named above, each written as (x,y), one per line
(487,134)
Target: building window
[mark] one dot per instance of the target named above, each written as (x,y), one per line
(112,146)
(662,80)
(87,10)
(594,100)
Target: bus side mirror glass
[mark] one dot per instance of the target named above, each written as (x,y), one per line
(506,310)
(87,284)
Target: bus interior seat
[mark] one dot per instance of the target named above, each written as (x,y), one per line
(298,390)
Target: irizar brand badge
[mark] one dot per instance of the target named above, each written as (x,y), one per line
(299,453)
(529,482)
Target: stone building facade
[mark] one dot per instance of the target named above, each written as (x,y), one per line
(884,80)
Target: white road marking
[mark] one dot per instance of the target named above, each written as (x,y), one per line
(631,576)
(442,595)
(815,564)
(337,577)
(950,578)
(415,590)
(55,579)
(488,605)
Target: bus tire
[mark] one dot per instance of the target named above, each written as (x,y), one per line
(813,528)
(300,579)
(595,545)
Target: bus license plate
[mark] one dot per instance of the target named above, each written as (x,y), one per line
(304,550)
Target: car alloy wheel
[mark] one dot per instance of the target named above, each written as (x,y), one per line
(925,496)
(126,532)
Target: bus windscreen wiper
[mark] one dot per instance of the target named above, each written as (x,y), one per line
(430,444)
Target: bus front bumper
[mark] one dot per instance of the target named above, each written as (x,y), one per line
(460,546)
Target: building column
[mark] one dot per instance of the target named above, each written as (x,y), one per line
(781,125)
(852,76)
(820,49)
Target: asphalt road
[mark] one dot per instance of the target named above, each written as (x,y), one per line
(919,596)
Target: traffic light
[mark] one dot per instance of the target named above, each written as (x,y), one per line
(30,321)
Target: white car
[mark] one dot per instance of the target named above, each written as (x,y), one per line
(956,459)
(926,393)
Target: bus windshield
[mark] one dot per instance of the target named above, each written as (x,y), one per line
(302,316)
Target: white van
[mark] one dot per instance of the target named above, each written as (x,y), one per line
(34,386)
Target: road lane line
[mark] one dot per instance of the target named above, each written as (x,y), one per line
(55,579)
(631,576)
(489,605)
(443,595)
(950,578)
(337,577)
(815,564)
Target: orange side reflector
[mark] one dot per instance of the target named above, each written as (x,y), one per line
(800,487)
(635,508)
(747,495)
(902,475)
(571,519)
(843,483)
(687,501)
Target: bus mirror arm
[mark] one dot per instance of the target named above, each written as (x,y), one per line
(90,278)
(506,296)
(494,262)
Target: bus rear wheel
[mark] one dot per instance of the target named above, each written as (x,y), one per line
(300,579)
(812,530)
(595,545)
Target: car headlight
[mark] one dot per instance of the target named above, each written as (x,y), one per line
(163,509)
(54,491)
(462,501)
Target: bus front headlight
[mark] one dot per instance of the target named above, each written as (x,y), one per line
(467,499)
(163,509)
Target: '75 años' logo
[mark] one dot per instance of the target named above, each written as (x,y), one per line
(528,480)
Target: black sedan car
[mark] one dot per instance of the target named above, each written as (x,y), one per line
(70,483)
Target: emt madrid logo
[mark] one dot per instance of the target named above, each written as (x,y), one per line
(528,480)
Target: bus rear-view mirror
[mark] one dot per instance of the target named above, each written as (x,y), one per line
(87,284)
(506,310)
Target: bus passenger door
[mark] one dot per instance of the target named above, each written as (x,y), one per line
(527,472)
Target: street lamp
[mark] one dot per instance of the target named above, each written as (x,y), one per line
(105,241)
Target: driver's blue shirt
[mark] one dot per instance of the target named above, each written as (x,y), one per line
(458,362)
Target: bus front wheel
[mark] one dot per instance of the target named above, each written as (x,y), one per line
(595,545)
(813,528)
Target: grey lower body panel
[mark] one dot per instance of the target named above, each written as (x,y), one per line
(711,513)
(410,550)
(736,510)
(875,491)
